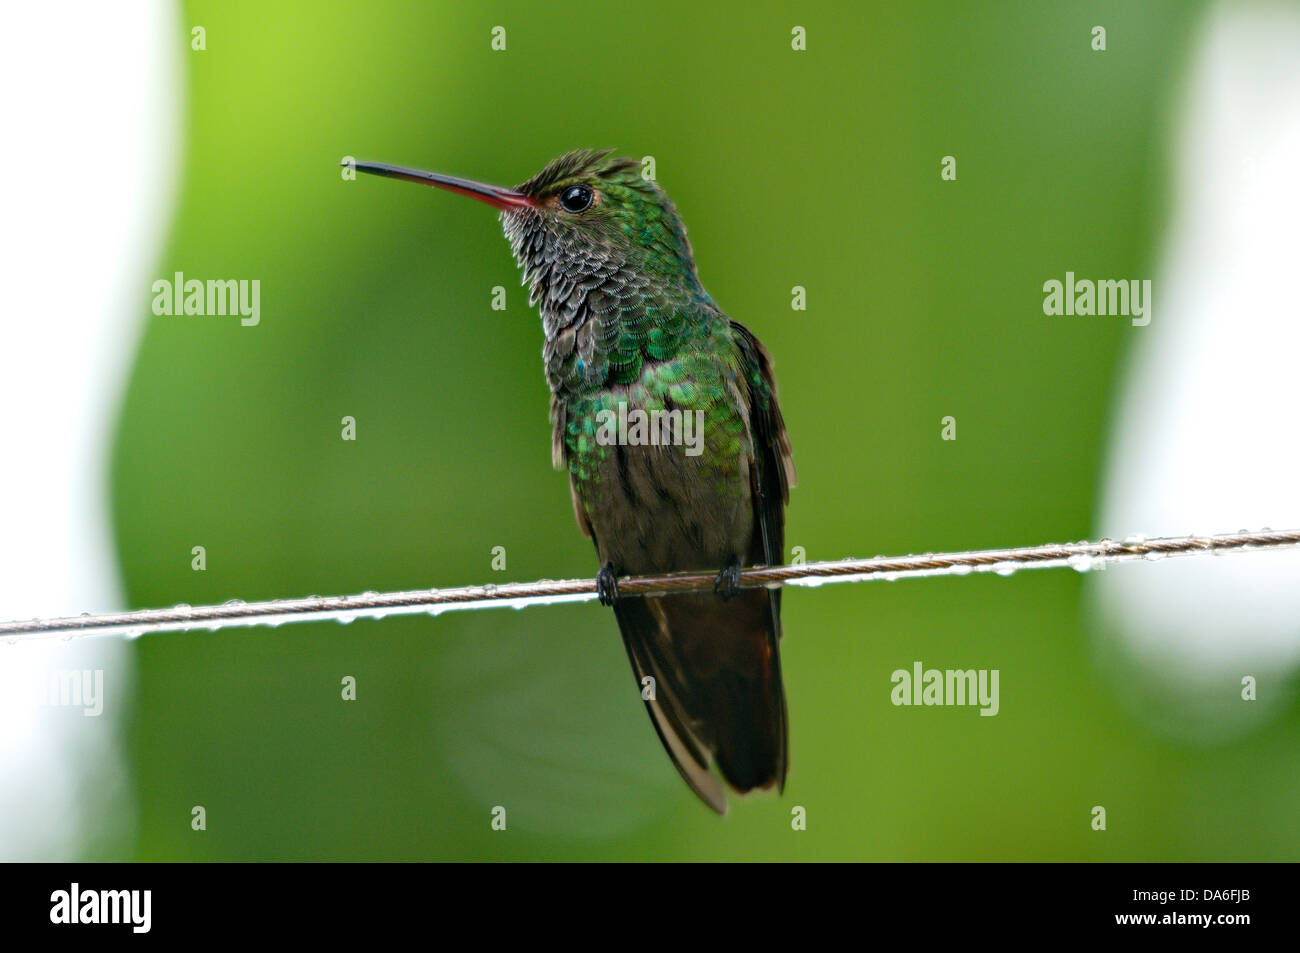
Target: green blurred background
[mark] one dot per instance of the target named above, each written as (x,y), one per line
(816,168)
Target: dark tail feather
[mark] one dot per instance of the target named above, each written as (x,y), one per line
(718,694)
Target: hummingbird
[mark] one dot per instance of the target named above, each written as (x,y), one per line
(629,328)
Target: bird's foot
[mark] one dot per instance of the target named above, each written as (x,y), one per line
(727,583)
(607,585)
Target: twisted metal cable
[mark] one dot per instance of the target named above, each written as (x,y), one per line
(1081,556)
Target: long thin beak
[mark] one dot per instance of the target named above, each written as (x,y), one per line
(493,195)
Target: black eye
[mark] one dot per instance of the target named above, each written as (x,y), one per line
(576,198)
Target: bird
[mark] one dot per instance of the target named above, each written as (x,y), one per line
(664,414)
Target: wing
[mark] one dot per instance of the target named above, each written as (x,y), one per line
(773,471)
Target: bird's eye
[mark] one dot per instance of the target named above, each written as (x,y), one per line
(576,198)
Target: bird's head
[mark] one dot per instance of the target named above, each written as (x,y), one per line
(588,218)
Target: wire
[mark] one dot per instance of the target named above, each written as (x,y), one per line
(1082,556)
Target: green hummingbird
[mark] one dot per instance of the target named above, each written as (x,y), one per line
(632,336)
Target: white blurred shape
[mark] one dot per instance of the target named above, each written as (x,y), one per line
(1207,438)
(90,117)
